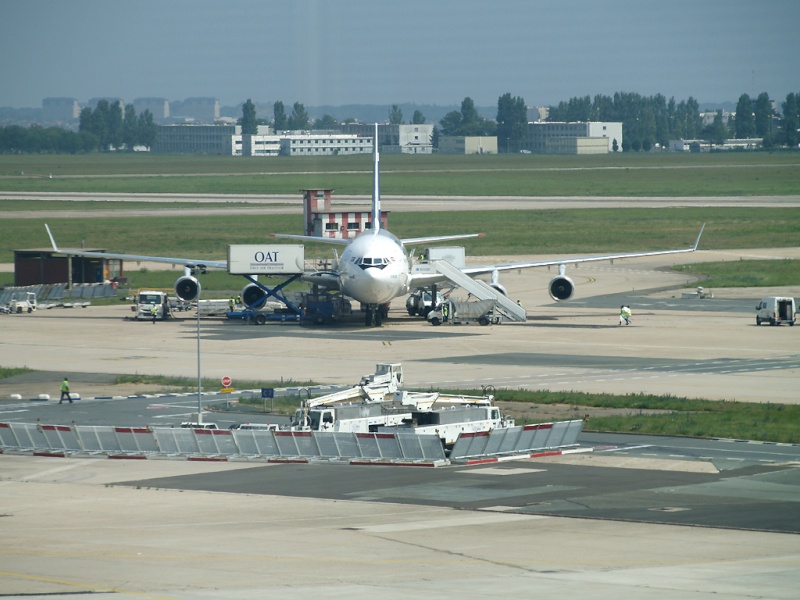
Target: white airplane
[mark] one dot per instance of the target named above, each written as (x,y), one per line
(375,266)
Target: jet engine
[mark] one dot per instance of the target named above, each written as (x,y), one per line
(561,288)
(496,285)
(251,294)
(187,288)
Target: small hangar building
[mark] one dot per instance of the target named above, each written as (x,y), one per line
(44,266)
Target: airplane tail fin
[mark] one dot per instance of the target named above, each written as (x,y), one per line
(376,184)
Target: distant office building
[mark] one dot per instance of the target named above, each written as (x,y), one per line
(573,138)
(474,144)
(256,145)
(397,139)
(60,110)
(195,139)
(204,110)
(228,140)
(324,144)
(158,107)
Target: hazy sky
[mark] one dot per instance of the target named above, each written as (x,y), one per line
(382,52)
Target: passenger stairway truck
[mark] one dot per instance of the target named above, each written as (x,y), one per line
(506,308)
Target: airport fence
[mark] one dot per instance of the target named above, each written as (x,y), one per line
(242,444)
(168,442)
(539,437)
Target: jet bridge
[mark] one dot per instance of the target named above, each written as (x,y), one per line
(507,308)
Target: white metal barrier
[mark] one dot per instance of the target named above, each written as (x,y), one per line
(516,440)
(181,442)
(243,443)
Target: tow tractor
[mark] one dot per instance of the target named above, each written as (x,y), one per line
(28,304)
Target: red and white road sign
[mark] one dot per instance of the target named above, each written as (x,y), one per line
(226,381)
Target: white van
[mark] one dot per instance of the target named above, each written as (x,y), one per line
(776,310)
(192,425)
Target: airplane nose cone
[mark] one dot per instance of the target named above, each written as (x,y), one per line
(372,286)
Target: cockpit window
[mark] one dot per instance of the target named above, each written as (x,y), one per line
(368,262)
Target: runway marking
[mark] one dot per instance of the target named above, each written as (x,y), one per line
(482,519)
(501,472)
(53,471)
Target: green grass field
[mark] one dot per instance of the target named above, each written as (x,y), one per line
(564,232)
(732,174)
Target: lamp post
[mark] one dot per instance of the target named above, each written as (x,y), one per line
(199,379)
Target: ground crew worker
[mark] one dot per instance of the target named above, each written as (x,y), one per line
(625,315)
(231,303)
(445,311)
(65,391)
(154,312)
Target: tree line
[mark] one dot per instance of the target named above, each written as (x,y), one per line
(650,120)
(106,128)
(647,121)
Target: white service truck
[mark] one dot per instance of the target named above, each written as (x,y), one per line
(776,310)
(145,300)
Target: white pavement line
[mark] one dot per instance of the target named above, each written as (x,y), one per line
(55,470)
(487,519)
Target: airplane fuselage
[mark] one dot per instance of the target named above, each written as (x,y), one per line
(373,268)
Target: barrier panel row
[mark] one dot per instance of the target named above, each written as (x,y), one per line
(166,441)
(515,440)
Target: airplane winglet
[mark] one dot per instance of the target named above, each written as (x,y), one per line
(52,239)
(697,241)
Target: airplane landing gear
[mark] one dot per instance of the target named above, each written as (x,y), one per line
(375,314)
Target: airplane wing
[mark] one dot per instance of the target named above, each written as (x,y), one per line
(311,238)
(440,238)
(422,279)
(580,259)
(189,262)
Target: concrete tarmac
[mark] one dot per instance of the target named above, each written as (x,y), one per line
(70,528)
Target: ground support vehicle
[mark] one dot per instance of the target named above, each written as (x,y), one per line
(325,308)
(458,313)
(776,310)
(378,403)
(420,302)
(22,304)
(145,300)
(450,422)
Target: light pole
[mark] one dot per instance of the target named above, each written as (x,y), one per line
(199,380)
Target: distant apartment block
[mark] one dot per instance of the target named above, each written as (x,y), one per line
(573,138)
(397,139)
(459,144)
(60,110)
(205,110)
(158,107)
